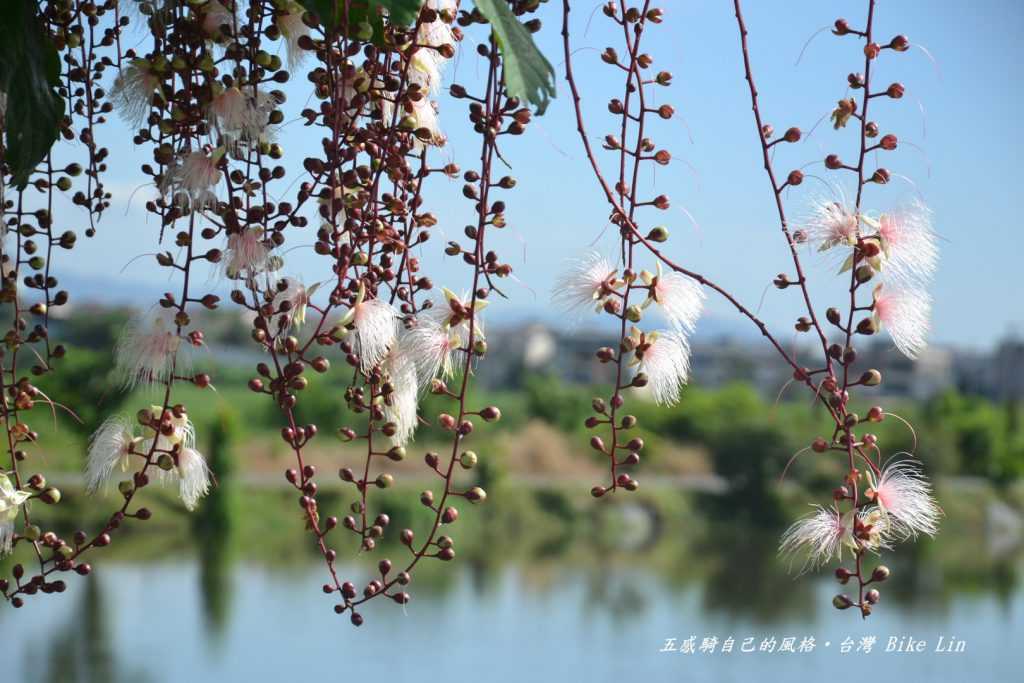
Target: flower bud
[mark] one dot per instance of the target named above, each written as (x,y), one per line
(842,602)
(881,573)
(871,378)
(900,43)
(449,515)
(866,326)
(658,234)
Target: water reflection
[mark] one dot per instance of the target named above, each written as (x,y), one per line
(565,604)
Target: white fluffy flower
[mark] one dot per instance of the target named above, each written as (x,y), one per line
(11,500)
(190,471)
(905,313)
(193,476)
(432,345)
(246,254)
(375,324)
(215,15)
(110,449)
(291,300)
(905,496)
(832,223)
(679,297)
(821,536)
(427,61)
(183,434)
(291,26)
(147,349)
(909,245)
(424,115)
(133,90)
(401,406)
(664,357)
(190,180)
(585,283)
(243,116)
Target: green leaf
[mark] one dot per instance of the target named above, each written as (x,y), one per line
(528,74)
(400,12)
(29,75)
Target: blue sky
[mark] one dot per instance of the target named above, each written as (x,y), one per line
(960,152)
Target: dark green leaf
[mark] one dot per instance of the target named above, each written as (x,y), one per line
(29,75)
(528,74)
(401,12)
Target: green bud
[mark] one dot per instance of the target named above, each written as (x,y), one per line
(658,234)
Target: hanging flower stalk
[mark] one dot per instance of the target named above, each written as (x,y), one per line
(896,250)
(160,441)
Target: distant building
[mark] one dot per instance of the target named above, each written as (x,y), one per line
(537,348)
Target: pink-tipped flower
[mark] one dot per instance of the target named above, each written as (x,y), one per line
(110,449)
(586,283)
(908,243)
(821,536)
(243,116)
(190,181)
(215,15)
(374,323)
(680,298)
(292,28)
(664,358)
(832,223)
(147,351)
(133,91)
(400,406)
(905,313)
(905,496)
(247,254)
(11,500)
